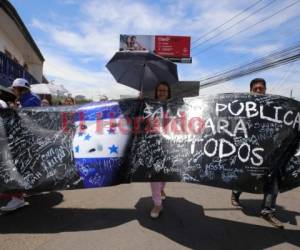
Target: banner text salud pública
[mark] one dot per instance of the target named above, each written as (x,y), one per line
(233,141)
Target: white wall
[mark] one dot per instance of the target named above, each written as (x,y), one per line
(13,40)
(6,43)
(36,70)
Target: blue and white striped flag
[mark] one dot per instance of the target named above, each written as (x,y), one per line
(99,144)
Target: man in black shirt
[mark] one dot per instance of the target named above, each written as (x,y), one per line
(271,189)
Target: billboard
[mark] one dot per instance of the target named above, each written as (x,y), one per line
(174,48)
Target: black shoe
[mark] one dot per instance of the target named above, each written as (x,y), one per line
(235,201)
(269,217)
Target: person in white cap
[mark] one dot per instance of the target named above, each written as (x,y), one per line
(21,89)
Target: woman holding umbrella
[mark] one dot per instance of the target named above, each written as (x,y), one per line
(142,71)
(162,93)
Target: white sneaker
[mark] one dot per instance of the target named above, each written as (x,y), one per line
(163,195)
(14,204)
(156,211)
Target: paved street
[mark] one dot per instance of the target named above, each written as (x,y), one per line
(195,216)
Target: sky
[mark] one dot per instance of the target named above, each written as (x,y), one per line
(78,37)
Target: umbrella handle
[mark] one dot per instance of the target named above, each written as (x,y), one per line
(141,80)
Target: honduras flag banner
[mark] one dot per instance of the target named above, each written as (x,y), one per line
(99,145)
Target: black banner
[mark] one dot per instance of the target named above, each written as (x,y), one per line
(234,141)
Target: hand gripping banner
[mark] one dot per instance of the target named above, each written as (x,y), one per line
(233,141)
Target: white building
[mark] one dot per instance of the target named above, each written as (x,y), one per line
(19,54)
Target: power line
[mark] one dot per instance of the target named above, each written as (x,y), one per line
(275,59)
(235,16)
(228,28)
(257,60)
(285,76)
(249,27)
(262,60)
(291,35)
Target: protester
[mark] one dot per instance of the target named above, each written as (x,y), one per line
(69,101)
(11,104)
(6,96)
(258,86)
(21,89)
(45,103)
(103,98)
(163,93)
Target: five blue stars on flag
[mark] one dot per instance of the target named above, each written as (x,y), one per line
(113,149)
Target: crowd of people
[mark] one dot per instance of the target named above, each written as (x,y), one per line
(25,98)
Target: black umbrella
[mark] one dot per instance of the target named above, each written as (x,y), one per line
(142,70)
